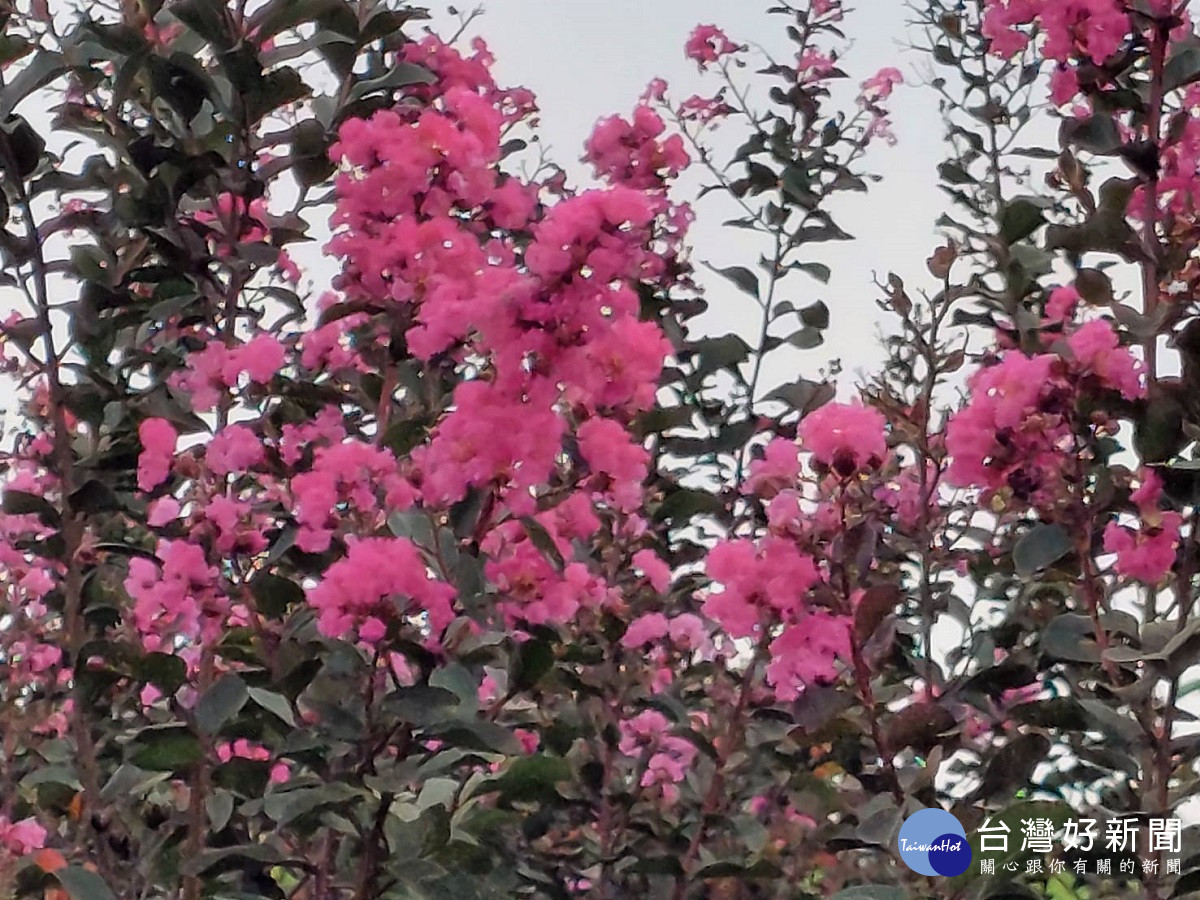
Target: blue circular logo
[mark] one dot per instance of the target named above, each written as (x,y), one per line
(933,842)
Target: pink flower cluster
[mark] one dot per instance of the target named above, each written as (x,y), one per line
(845,437)
(380,580)
(1073,29)
(1017,430)
(218,367)
(766,584)
(423,224)
(707,44)
(631,153)
(182,599)
(158,439)
(667,758)
(1148,553)
(536,590)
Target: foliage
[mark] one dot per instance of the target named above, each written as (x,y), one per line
(485,572)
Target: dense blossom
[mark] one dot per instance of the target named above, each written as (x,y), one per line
(1096,350)
(845,437)
(1148,552)
(1094,29)
(158,439)
(380,580)
(1014,428)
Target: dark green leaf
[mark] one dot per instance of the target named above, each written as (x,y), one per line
(529,778)
(164,671)
(1070,636)
(1183,67)
(274,703)
(82,884)
(220,703)
(401,75)
(1019,219)
(742,277)
(273,594)
(815,316)
(1039,547)
(686,503)
(166,749)
(40,71)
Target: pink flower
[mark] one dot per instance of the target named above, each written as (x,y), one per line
(1013,430)
(645,629)
(609,450)
(1092,28)
(630,153)
(657,572)
(688,632)
(777,470)
(1097,352)
(1148,554)
(162,511)
(880,85)
(1061,303)
(763,581)
(23,837)
(805,653)
(1064,85)
(158,439)
(707,44)
(379,579)
(846,437)
(234,449)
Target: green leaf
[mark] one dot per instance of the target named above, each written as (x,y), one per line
(1071,637)
(541,539)
(819,271)
(276,704)
(164,671)
(746,280)
(81,884)
(725,352)
(168,749)
(731,868)
(401,75)
(273,594)
(219,806)
(220,703)
(420,704)
(1039,547)
(534,658)
(529,778)
(805,338)
(21,503)
(815,316)
(803,396)
(1183,67)
(1019,219)
(686,503)
(279,15)
(206,19)
(229,858)
(286,806)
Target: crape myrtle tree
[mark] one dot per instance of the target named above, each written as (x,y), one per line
(485,570)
